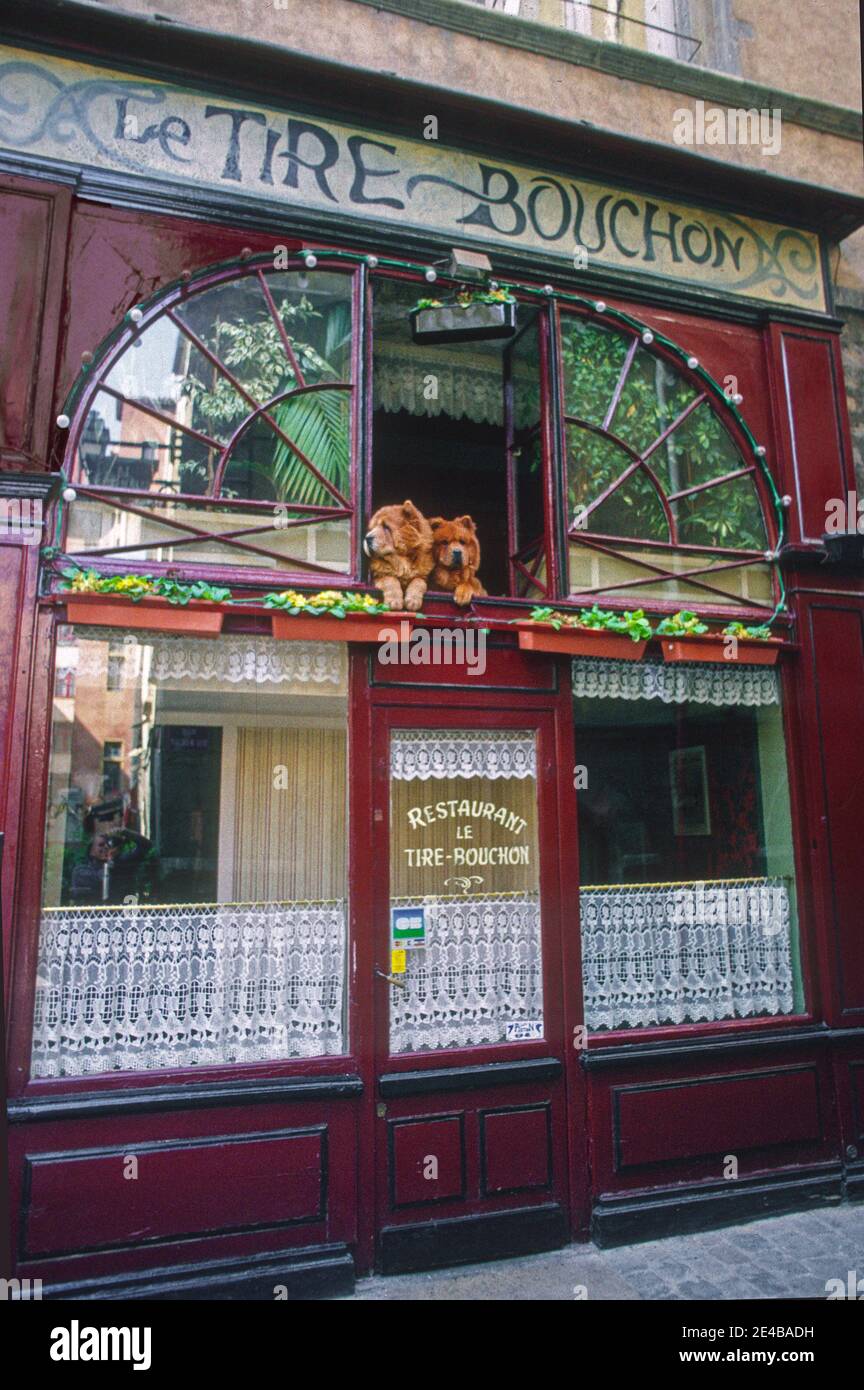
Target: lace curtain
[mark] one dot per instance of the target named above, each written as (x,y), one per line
(685,953)
(419,755)
(138,989)
(247,661)
(227,661)
(698,683)
(478,972)
(465,387)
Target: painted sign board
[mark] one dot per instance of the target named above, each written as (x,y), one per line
(136,127)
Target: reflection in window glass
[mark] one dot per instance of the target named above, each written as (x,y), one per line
(464,889)
(593,359)
(594,463)
(652,398)
(163,535)
(685,849)
(222,396)
(195,878)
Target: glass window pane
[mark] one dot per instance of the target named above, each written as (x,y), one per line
(262,463)
(653,396)
(700,449)
(729,514)
(464,878)
(687,901)
(593,358)
(300,337)
(194,892)
(634,509)
(97,524)
(234,321)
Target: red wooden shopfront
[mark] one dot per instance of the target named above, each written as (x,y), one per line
(305,1162)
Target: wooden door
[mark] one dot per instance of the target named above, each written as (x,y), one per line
(471,1130)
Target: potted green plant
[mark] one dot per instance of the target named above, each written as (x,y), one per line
(331,616)
(471,316)
(139,602)
(591,632)
(684,637)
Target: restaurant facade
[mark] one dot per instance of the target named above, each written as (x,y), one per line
(336,940)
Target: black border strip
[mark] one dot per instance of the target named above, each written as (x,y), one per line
(97,1104)
(417,1083)
(626,1053)
(628,1217)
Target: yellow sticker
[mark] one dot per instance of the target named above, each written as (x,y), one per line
(398,962)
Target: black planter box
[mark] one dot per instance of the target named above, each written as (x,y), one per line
(452,324)
(845,548)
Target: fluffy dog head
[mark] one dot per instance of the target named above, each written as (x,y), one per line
(397,532)
(456,544)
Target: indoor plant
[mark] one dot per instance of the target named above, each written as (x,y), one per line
(591,632)
(684,637)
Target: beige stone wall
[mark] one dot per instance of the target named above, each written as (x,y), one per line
(810,47)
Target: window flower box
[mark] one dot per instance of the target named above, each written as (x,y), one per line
(332,616)
(458,323)
(576,641)
(685,637)
(355,627)
(714,646)
(592,632)
(197,618)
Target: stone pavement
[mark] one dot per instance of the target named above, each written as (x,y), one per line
(780,1257)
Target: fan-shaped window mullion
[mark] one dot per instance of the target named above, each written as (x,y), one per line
(280,328)
(636,465)
(258,411)
(262,414)
(248,366)
(619,387)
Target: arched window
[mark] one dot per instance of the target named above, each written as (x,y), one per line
(661,499)
(217,426)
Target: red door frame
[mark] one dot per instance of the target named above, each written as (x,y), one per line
(423,706)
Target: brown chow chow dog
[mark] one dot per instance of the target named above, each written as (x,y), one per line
(457,558)
(399,545)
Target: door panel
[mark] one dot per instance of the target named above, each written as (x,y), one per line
(471,1129)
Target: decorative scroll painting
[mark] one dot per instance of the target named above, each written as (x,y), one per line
(54,109)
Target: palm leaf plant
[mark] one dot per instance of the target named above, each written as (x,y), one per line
(317,421)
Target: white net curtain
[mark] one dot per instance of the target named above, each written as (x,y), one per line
(687,952)
(145,988)
(676,683)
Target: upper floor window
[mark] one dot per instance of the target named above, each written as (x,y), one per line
(653,25)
